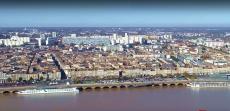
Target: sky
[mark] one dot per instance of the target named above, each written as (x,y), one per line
(114,15)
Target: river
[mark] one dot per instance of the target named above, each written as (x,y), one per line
(132,99)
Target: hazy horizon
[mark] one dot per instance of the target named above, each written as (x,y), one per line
(114,14)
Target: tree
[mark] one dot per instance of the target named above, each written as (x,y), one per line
(81,44)
(20,79)
(77,81)
(188,76)
(31,79)
(41,78)
(194,76)
(9,79)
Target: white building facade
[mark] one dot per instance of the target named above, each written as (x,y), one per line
(14,41)
(127,39)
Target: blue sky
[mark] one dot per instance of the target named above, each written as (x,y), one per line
(113,16)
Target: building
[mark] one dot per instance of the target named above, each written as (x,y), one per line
(127,39)
(214,43)
(42,36)
(54,34)
(185,58)
(113,48)
(14,41)
(1,42)
(166,36)
(4,77)
(51,40)
(92,40)
(39,41)
(73,35)
(47,41)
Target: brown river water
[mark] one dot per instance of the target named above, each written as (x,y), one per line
(130,99)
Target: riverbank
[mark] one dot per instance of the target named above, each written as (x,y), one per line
(6,90)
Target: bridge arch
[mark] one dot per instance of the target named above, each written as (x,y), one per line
(15,91)
(97,87)
(129,86)
(88,88)
(114,86)
(172,84)
(180,84)
(156,85)
(164,84)
(149,85)
(122,86)
(106,87)
(6,92)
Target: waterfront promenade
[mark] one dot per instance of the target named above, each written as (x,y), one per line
(135,72)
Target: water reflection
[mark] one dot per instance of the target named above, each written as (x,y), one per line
(47,95)
(127,99)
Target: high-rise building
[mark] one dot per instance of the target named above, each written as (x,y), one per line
(115,36)
(16,33)
(47,41)
(15,41)
(42,36)
(73,35)
(214,43)
(54,34)
(39,41)
(127,39)
(92,40)
(51,41)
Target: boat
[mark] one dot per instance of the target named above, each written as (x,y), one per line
(208,84)
(49,91)
(193,85)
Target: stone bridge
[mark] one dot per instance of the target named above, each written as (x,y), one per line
(15,89)
(130,84)
(102,85)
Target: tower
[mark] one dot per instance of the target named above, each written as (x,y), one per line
(54,34)
(115,36)
(47,41)
(126,38)
(39,41)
